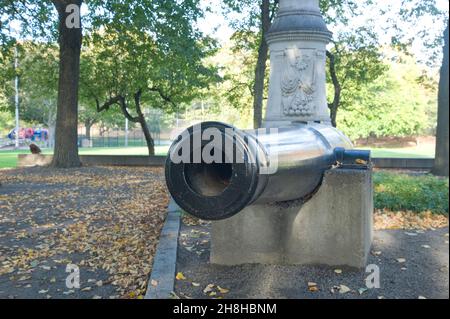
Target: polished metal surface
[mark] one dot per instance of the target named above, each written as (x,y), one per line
(266,166)
(302,154)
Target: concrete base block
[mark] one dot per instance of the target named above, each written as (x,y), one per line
(333,228)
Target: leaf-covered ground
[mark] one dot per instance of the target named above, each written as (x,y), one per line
(104,220)
(412,263)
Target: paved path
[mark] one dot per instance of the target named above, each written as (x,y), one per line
(412,264)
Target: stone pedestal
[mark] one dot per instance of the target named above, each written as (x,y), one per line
(297,41)
(333,228)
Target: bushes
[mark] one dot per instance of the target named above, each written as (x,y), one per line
(401,192)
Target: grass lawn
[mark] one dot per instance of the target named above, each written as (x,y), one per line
(402,192)
(419,152)
(8,159)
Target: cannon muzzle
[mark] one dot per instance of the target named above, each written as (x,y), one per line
(214,170)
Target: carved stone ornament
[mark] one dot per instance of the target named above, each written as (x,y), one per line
(298,85)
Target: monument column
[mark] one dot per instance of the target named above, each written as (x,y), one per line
(297,42)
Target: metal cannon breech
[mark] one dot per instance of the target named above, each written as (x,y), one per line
(214,171)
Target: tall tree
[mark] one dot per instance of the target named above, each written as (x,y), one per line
(70,38)
(442,136)
(159,63)
(38,20)
(261,14)
(356,46)
(412,12)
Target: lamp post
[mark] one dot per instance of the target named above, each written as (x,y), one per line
(16,65)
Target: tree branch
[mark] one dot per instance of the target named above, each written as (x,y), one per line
(108,104)
(334,105)
(163,96)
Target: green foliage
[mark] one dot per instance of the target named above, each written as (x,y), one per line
(401,102)
(160,53)
(401,192)
(6,122)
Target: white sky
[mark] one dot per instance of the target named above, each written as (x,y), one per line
(215,24)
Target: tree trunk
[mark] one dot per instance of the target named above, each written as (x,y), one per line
(88,126)
(148,137)
(260,71)
(442,137)
(141,118)
(66,138)
(334,106)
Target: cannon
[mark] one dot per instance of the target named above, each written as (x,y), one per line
(267,166)
(295,192)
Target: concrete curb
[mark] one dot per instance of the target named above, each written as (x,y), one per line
(26,160)
(162,279)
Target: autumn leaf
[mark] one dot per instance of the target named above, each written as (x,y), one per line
(180,276)
(208,288)
(223,290)
(344,289)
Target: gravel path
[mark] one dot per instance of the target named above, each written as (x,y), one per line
(413,264)
(104,220)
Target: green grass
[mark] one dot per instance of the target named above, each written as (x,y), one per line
(421,151)
(8,159)
(401,192)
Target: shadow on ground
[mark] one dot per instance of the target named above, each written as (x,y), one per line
(413,264)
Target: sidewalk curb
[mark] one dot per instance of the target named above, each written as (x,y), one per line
(162,279)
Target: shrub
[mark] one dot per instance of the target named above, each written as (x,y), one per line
(401,192)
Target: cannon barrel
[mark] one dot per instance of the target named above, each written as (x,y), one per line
(214,171)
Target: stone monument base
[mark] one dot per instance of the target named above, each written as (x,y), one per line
(333,228)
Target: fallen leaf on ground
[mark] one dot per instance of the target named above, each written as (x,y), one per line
(208,288)
(411,234)
(401,260)
(338,271)
(376,253)
(173,295)
(362,290)
(195,284)
(180,276)
(344,289)
(223,290)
